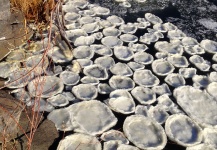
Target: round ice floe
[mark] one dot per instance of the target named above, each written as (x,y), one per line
(123,53)
(70,9)
(72,35)
(175,80)
(143,58)
(214,58)
(83,52)
(189,41)
(200,81)
(104,88)
(54,70)
(176,34)
(128,28)
(157,33)
(162,89)
(121,82)
(41,105)
(141,20)
(160,55)
(105,61)
(21,77)
(115,20)
(90,27)
(37,47)
(183,130)
(96,71)
(121,105)
(106,24)
(210,137)
(73,25)
(72,16)
(45,86)
(85,91)
(187,72)
(84,41)
(89,80)
(178,61)
(121,69)
(152,18)
(160,27)
(144,95)
(170,26)
(197,104)
(165,102)
(200,63)
(78,3)
(21,94)
(162,67)
(120,93)
(69,77)
(61,119)
(98,35)
(141,110)
(137,47)
(58,100)
(209,46)
(81,141)
(129,38)
(143,25)
(37,61)
(126,147)
(84,62)
(125,4)
(88,13)
(135,66)
(101,49)
(201,147)
(171,48)
(137,127)
(7,67)
(214,66)
(158,114)
(16,56)
(145,78)
(111,31)
(149,38)
(194,50)
(86,20)
(213,76)
(101,10)
(111,41)
(212,88)
(114,135)
(91,117)
(110,145)
(60,56)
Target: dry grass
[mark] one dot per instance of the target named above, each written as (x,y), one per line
(34,10)
(40,13)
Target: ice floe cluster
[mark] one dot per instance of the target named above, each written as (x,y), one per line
(126,86)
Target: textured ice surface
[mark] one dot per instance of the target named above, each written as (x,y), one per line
(91,117)
(183,130)
(137,127)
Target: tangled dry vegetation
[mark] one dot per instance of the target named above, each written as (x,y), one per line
(39,13)
(34,10)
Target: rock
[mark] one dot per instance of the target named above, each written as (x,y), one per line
(10,110)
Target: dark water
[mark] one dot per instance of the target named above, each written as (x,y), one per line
(183,13)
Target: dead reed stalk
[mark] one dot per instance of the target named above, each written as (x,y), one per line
(34,10)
